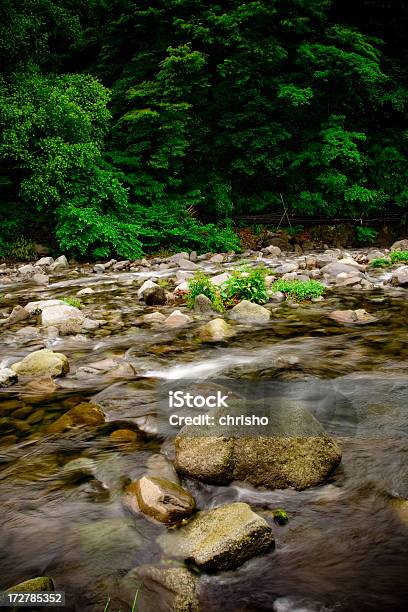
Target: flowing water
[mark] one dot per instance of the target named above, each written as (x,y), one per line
(345,547)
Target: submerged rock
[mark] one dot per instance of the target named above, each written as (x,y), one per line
(352,316)
(248,312)
(159,498)
(222,538)
(42,363)
(124,436)
(164,588)
(291,450)
(177,319)
(215,331)
(82,414)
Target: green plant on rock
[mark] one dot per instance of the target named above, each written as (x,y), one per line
(380,262)
(72,301)
(399,256)
(299,291)
(280,516)
(366,235)
(201,284)
(246,284)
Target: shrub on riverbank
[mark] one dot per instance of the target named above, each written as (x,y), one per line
(244,284)
(299,291)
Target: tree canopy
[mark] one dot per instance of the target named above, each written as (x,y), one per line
(128,126)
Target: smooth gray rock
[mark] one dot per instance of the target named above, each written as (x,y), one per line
(400,276)
(186,264)
(248,312)
(44,261)
(67,319)
(61,263)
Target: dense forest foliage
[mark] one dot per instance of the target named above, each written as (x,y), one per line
(131,125)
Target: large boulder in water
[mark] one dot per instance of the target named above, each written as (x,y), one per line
(222,538)
(67,319)
(291,450)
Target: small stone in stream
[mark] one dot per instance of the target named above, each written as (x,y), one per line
(348,282)
(218,258)
(272,251)
(336,268)
(28,332)
(219,279)
(91,324)
(215,331)
(44,261)
(181,287)
(85,291)
(42,363)
(285,268)
(38,307)
(277,297)
(59,264)
(375,254)
(121,265)
(68,319)
(154,296)
(146,285)
(7,377)
(193,256)
(124,436)
(248,312)
(164,588)
(87,414)
(99,268)
(186,264)
(177,319)
(160,499)
(17,314)
(352,316)
(400,276)
(203,305)
(144,262)
(27,270)
(40,279)
(154,317)
(222,538)
(41,583)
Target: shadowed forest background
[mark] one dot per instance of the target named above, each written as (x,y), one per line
(129,126)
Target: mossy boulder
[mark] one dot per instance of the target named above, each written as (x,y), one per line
(222,538)
(292,450)
(41,583)
(160,499)
(42,363)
